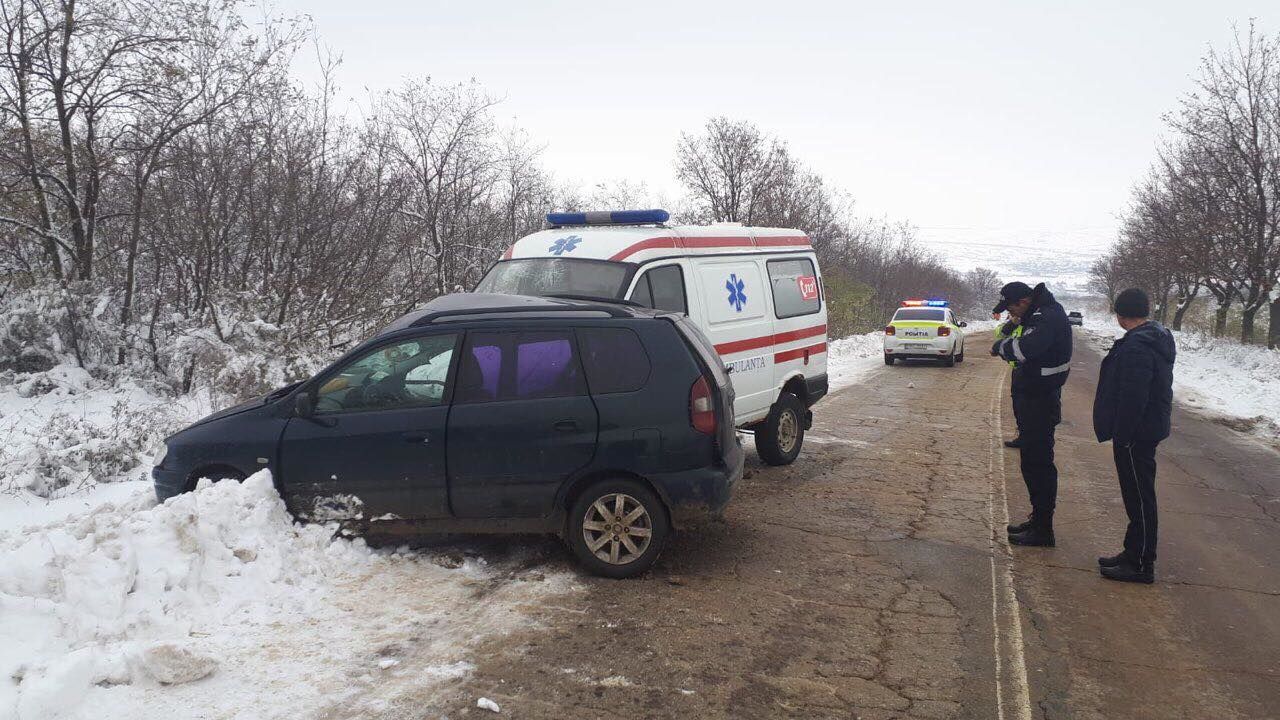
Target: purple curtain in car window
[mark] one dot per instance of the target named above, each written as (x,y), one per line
(541,367)
(489,358)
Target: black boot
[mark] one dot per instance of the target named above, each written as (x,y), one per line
(1112,560)
(1014,443)
(1020,527)
(1127,571)
(1038,534)
(1033,537)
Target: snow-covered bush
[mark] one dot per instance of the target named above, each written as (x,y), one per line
(71,448)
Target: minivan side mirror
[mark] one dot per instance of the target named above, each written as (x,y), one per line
(304,405)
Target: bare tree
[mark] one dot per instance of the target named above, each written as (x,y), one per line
(729,168)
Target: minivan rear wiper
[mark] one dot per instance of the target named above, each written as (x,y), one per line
(594,298)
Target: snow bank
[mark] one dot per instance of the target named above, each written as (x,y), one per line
(216,604)
(1219,376)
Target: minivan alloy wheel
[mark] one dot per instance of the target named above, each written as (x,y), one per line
(617,528)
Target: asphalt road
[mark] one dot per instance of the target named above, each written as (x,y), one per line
(871,579)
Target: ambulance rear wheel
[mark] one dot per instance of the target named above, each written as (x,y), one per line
(779,438)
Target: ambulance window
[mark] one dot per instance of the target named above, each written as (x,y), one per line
(795,287)
(667,285)
(642,294)
(662,289)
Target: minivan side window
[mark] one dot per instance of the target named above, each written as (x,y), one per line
(662,288)
(519,366)
(795,287)
(410,373)
(614,358)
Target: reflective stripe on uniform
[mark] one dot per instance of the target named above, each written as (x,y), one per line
(1055,370)
(1017,350)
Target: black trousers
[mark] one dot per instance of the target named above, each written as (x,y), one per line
(1136,468)
(1038,412)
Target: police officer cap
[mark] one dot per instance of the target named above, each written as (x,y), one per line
(1011,293)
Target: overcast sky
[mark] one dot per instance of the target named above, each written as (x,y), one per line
(976,121)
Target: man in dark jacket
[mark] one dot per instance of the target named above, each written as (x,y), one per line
(1131,409)
(1042,361)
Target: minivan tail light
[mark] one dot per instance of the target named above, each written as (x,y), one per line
(702,410)
(890,330)
(943,331)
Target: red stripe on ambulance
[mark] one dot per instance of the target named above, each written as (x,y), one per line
(798,353)
(710,242)
(764,341)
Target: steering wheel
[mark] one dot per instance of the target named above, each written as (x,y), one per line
(381,393)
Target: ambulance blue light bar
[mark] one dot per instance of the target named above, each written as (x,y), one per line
(609,217)
(925,303)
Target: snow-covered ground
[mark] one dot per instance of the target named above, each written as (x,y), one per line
(216,604)
(1217,376)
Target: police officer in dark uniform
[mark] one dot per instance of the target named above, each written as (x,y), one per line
(1042,361)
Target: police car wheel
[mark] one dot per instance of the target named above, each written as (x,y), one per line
(888,359)
(779,438)
(617,528)
(950,360)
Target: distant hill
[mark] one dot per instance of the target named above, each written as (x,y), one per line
(1059,258)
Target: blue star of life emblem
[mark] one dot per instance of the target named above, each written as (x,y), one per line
(564,245)
(735,286)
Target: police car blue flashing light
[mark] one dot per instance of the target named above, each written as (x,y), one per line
(609,217)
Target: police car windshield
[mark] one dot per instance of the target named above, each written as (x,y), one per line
(559,276)
(928,314)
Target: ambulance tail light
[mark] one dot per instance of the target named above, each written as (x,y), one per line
(702,409)
(890,330)
(943,331)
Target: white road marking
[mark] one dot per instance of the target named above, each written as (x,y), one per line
(1004,603)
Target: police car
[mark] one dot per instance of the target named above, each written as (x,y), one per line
(924,330)
(755,293)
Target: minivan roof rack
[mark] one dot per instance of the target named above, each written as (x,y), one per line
(478,304)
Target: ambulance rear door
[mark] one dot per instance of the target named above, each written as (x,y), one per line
(800,317)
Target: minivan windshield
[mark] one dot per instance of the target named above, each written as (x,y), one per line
(920,314)
(556,276)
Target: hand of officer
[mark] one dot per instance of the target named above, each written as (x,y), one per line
(995,348)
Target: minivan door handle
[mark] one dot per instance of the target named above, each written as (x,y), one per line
(566,425)
(416,437)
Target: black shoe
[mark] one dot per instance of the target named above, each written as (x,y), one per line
(1126,571)
(1014,443)
(1033,537)
(1020,527)
(1113,560)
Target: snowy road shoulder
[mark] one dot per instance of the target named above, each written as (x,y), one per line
(218,603)
(1221,378)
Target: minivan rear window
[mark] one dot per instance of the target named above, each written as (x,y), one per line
(556,276)
(615,360)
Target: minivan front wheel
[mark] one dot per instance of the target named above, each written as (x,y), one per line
(617,528)
(779,438)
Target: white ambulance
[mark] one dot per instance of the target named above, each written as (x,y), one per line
(756,293)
